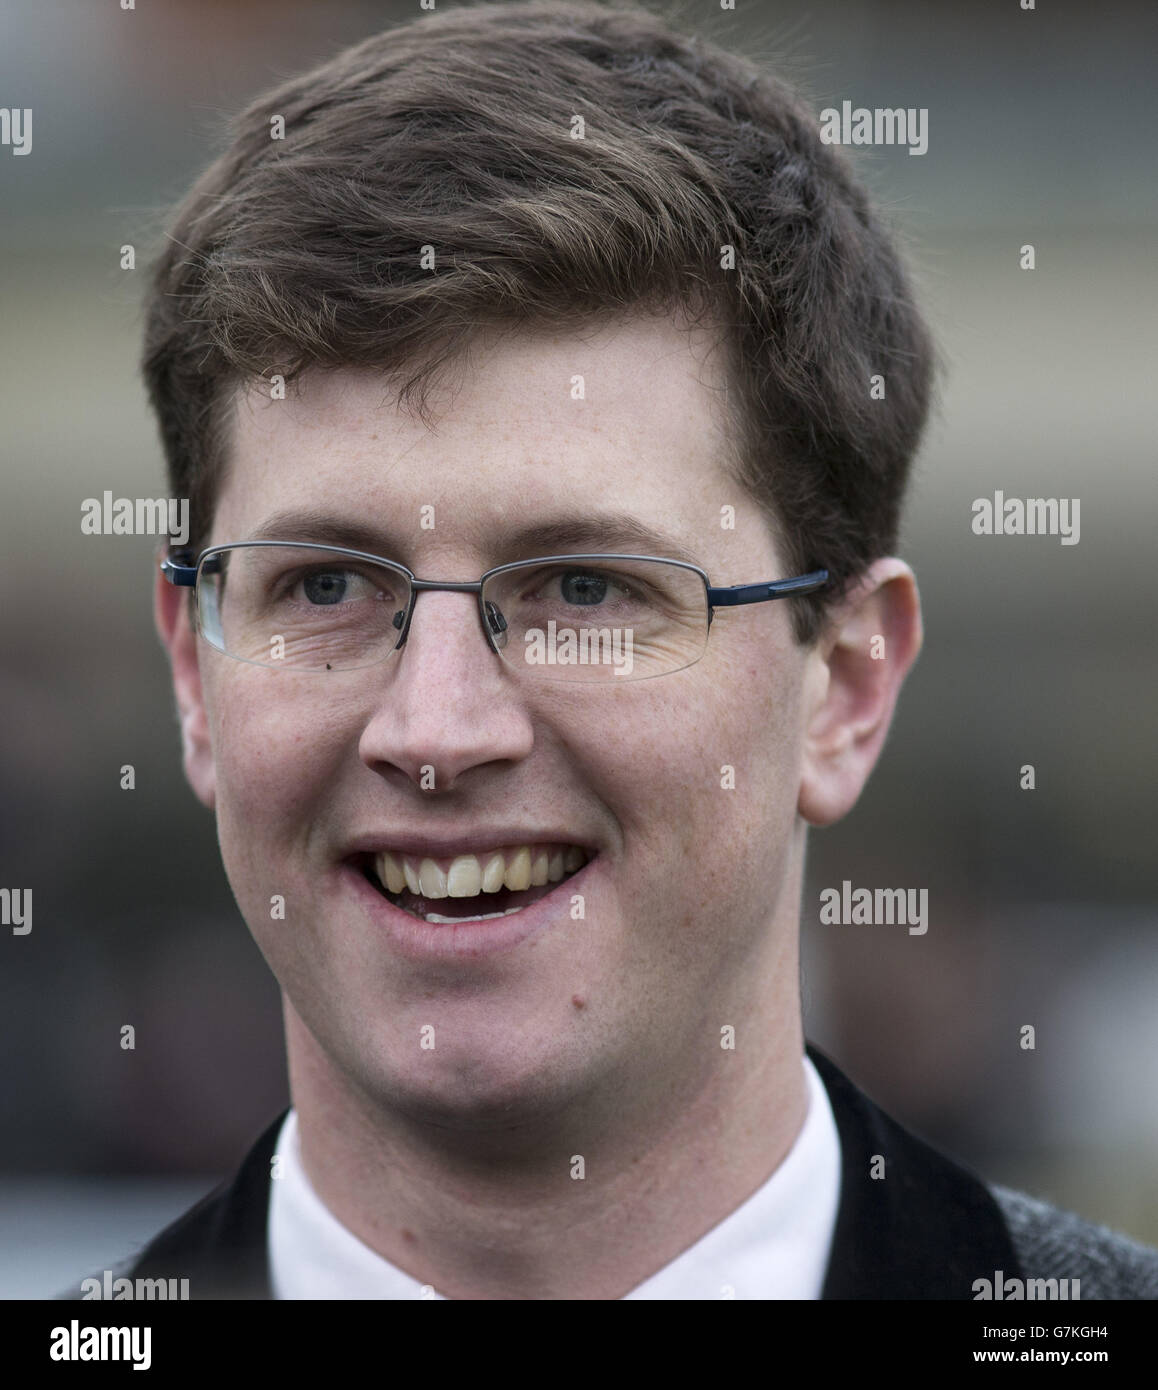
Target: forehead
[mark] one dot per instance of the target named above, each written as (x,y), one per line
(526,429)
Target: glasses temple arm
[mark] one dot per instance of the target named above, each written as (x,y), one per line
(760,593)
(184,576)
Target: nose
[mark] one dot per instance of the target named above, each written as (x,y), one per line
(446,703)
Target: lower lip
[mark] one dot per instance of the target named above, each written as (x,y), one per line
(415,939)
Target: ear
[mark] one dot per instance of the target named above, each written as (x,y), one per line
(857,670)
(178,637)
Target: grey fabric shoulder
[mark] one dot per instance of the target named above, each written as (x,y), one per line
(1056,1244)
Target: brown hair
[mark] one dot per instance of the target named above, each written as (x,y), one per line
(454,131)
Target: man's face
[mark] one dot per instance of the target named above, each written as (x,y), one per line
(690,898)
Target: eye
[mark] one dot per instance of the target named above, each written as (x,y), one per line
(330,587)
(627,591)
(582,587)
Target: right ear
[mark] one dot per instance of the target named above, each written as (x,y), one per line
(171,608)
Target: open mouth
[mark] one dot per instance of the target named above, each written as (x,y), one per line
(469,887)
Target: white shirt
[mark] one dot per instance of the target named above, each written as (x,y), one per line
(774,1245)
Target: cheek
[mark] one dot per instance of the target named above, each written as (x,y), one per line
(703,767)
(729,771)
(277,751)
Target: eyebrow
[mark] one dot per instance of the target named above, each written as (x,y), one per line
(599,532)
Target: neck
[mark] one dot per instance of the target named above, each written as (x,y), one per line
(670,1146)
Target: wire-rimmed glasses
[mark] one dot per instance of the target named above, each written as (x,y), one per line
(590,617)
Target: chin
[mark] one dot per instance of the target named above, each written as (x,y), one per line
(475,1092)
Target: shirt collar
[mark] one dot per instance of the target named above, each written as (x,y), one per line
(776,1244)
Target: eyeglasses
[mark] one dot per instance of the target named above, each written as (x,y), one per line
(562,617)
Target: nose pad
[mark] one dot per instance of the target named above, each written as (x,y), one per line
(399,621)
(497,624)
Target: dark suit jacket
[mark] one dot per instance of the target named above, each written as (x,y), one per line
(926,1230)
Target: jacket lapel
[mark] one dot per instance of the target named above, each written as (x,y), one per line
(220,1244)
(925,1229)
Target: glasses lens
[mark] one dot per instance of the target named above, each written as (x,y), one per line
(300,607)
(604,619)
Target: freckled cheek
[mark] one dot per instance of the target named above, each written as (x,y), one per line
(673,771)
(274,753)
(724,777)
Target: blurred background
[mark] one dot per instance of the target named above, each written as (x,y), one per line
(1041,903)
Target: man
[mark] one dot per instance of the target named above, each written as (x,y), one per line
(523,365)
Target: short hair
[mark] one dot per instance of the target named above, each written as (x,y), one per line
(455,131)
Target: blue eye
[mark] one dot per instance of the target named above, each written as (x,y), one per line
(331,588)
(328,587)
(583,589)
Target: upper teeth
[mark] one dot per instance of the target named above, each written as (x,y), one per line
(465,876)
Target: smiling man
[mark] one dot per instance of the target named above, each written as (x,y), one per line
(519,365)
